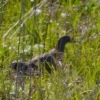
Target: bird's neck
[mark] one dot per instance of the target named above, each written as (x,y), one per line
(60,48)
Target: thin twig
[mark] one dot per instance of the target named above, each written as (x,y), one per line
(30,13)
(4,4)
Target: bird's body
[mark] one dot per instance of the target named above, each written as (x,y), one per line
(46,60)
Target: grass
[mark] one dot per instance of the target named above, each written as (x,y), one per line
(24,34)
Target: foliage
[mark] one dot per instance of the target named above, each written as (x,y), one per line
(31,27)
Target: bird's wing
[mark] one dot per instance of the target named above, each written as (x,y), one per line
(38,60)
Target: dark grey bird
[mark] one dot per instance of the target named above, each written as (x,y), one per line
(48,61)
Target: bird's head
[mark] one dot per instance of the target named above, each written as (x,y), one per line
(62,41)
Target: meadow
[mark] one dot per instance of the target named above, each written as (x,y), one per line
(31,27)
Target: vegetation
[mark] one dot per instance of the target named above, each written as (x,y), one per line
(31,27)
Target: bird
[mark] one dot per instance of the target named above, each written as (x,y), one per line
(49,60)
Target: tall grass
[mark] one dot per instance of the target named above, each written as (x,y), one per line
(29,28)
